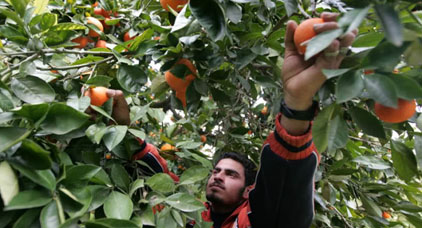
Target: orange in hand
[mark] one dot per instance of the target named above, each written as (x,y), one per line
(304,32)
(405,109)
(98,95)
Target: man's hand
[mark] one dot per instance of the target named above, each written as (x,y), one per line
(302,79)
(120,107)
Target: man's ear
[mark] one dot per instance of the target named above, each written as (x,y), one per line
(245,194)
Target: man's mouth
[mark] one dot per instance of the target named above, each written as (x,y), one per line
(217,185)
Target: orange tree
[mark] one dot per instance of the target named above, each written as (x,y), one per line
(59,167)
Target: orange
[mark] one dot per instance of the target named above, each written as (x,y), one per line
(127,37)
(167,147)
(180,85)
(304,32)
(250,132)
(95,4)
(366,72)
(157,38)
(176,5)
(96,22)
(98,95)
(264,110)
(101,44)
(405,109)
(82,41)
(386,215)
(108,156)
(98,11)
(203,138)
(54,71)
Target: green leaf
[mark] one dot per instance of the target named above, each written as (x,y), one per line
(331,73)
(49,217)
(370,206)
(139,183)
(367,122)
(407,206)
(349,85)
(418,149)
(406,87)
(391,24)
(210,15)
(291,7)
(177,217)
(44,178)
(32,90)
(120,177)
(184,202)
(233,12)
(102,112)
(372,162)
(161,182)
(33,113)
(9,136)
(34,155)
(110,223)
(118,205)
(114,135)
(62,119)
(99,195)
(404,161)
(19,6)
(12,15)
(87,59)
(353,18)
(67,27)
(40,6)
(194,174)
(369,39)
(385,56)
(320,128)
(99,80)
(244,57)
(29,199)
(81,173)
(381,89)
(131,78)
(413,54)
(96,132)
(28,219)
(9,186)
(320,42)
(337,133)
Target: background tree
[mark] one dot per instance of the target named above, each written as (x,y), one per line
(61,168)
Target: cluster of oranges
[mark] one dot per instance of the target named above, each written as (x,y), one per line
(180,85)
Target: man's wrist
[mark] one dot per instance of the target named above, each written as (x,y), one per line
(301,114)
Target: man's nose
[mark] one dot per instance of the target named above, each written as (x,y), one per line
(219,176)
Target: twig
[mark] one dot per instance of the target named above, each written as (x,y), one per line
(46,51)
(7,71)
(303,11)
(75,66)
(339,214)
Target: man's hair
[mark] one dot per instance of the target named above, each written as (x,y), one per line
(248,165)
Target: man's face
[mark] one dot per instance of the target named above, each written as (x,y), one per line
(227,183)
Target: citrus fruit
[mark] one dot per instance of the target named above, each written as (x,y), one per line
(127,37)
(101,44)
(167,147)
(386,215)
(405,109)
(264,110)
(97,23)
(180,85)
(82,41)
(203,138)
(176,5)
(98,95)
(304,32)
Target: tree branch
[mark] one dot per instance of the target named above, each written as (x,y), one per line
(5,73)
(75,66)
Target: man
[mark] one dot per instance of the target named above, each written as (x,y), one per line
(282,195)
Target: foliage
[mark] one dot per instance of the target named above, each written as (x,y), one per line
(56,169)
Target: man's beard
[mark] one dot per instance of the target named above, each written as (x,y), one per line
(217,200)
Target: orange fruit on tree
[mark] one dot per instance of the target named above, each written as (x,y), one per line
(405,109)
(250,132)
(108,156)
(304,32)
(97,23)
(98,95)
(180,85)
(264,110)
(101,44)
(127,37)
(203,138)
(167,147)
(386,215)
(98,11)
(82,41)
(176,5)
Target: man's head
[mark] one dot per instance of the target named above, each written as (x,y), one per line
(228,184)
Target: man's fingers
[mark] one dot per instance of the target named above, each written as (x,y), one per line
(121,108)
(327,16)
(288,40)
(347,39)
(319,28)
(332,51)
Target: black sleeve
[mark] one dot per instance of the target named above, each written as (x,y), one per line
(283,194)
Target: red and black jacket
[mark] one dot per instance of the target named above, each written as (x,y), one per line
(283,196)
